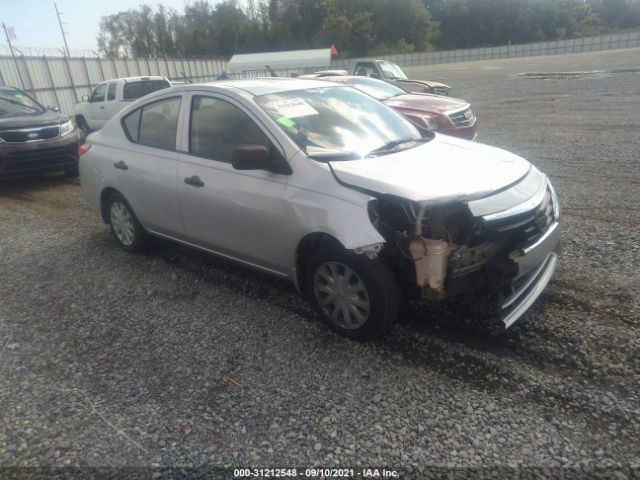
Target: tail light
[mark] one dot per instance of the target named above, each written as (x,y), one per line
(84,148)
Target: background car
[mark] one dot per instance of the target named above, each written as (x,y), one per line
(447,115)
(392,73)
(34,139)
(109,97)
(321,184)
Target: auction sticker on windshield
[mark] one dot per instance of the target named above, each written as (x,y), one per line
(293,108)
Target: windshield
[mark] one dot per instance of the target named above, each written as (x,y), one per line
(375,88)
(13,103)
(392,71)
(337,119)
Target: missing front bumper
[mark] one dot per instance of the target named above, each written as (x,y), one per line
(528,290)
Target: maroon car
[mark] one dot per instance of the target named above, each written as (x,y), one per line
(446,115)
(34,139)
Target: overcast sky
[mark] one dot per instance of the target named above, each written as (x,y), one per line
(36,25)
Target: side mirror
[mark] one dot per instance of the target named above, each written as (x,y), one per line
(53,108)
(257,157)
(375,75)
(85,98)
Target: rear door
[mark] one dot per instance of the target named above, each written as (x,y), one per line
(147,169)
(242,214)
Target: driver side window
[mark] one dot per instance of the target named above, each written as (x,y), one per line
(365,69)
(217,128)
(99,93)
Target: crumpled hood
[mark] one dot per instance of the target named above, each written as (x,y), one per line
(446,169)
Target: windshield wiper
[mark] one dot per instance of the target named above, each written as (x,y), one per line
(328,155)
(395,143)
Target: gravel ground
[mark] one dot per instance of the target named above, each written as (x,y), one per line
(177,358)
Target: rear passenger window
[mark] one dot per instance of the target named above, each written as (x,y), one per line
(217,128)
(132,125)
(155,124)
(111,94)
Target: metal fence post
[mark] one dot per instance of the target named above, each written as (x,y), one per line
(166,62)
(73,85)
(115,67)
(26,69)
(51,82)
(99,60)
(86,71)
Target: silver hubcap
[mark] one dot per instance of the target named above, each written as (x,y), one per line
(341,294)
(122,223)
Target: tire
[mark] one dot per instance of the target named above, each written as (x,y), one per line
(125,226)
(83,126)
(365,306)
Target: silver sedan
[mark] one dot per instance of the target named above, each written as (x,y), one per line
(321,184)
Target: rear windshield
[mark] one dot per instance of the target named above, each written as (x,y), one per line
(133,90)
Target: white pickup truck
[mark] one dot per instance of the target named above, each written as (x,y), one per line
(111,96)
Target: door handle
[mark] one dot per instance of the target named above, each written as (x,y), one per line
(102,107)
(194,180)
(121,165)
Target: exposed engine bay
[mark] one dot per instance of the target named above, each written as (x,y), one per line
(448,251)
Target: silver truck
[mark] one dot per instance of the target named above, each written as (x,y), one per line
(392,73)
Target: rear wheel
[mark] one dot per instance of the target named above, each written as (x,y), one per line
(354,295)
(125,225)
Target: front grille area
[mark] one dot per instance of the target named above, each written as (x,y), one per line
(24,135)
(38,164)
(38,153)
(441,91)
(532,224)
(463,118)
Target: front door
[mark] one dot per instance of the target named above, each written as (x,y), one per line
(242,214)
(111,105)
(96,111)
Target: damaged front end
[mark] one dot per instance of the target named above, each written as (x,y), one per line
(501,246)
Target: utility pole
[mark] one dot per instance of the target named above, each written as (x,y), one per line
(4,27)
(62,30)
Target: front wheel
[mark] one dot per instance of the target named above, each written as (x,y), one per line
(354,295)
(125,225)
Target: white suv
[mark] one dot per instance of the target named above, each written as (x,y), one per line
(111,96)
